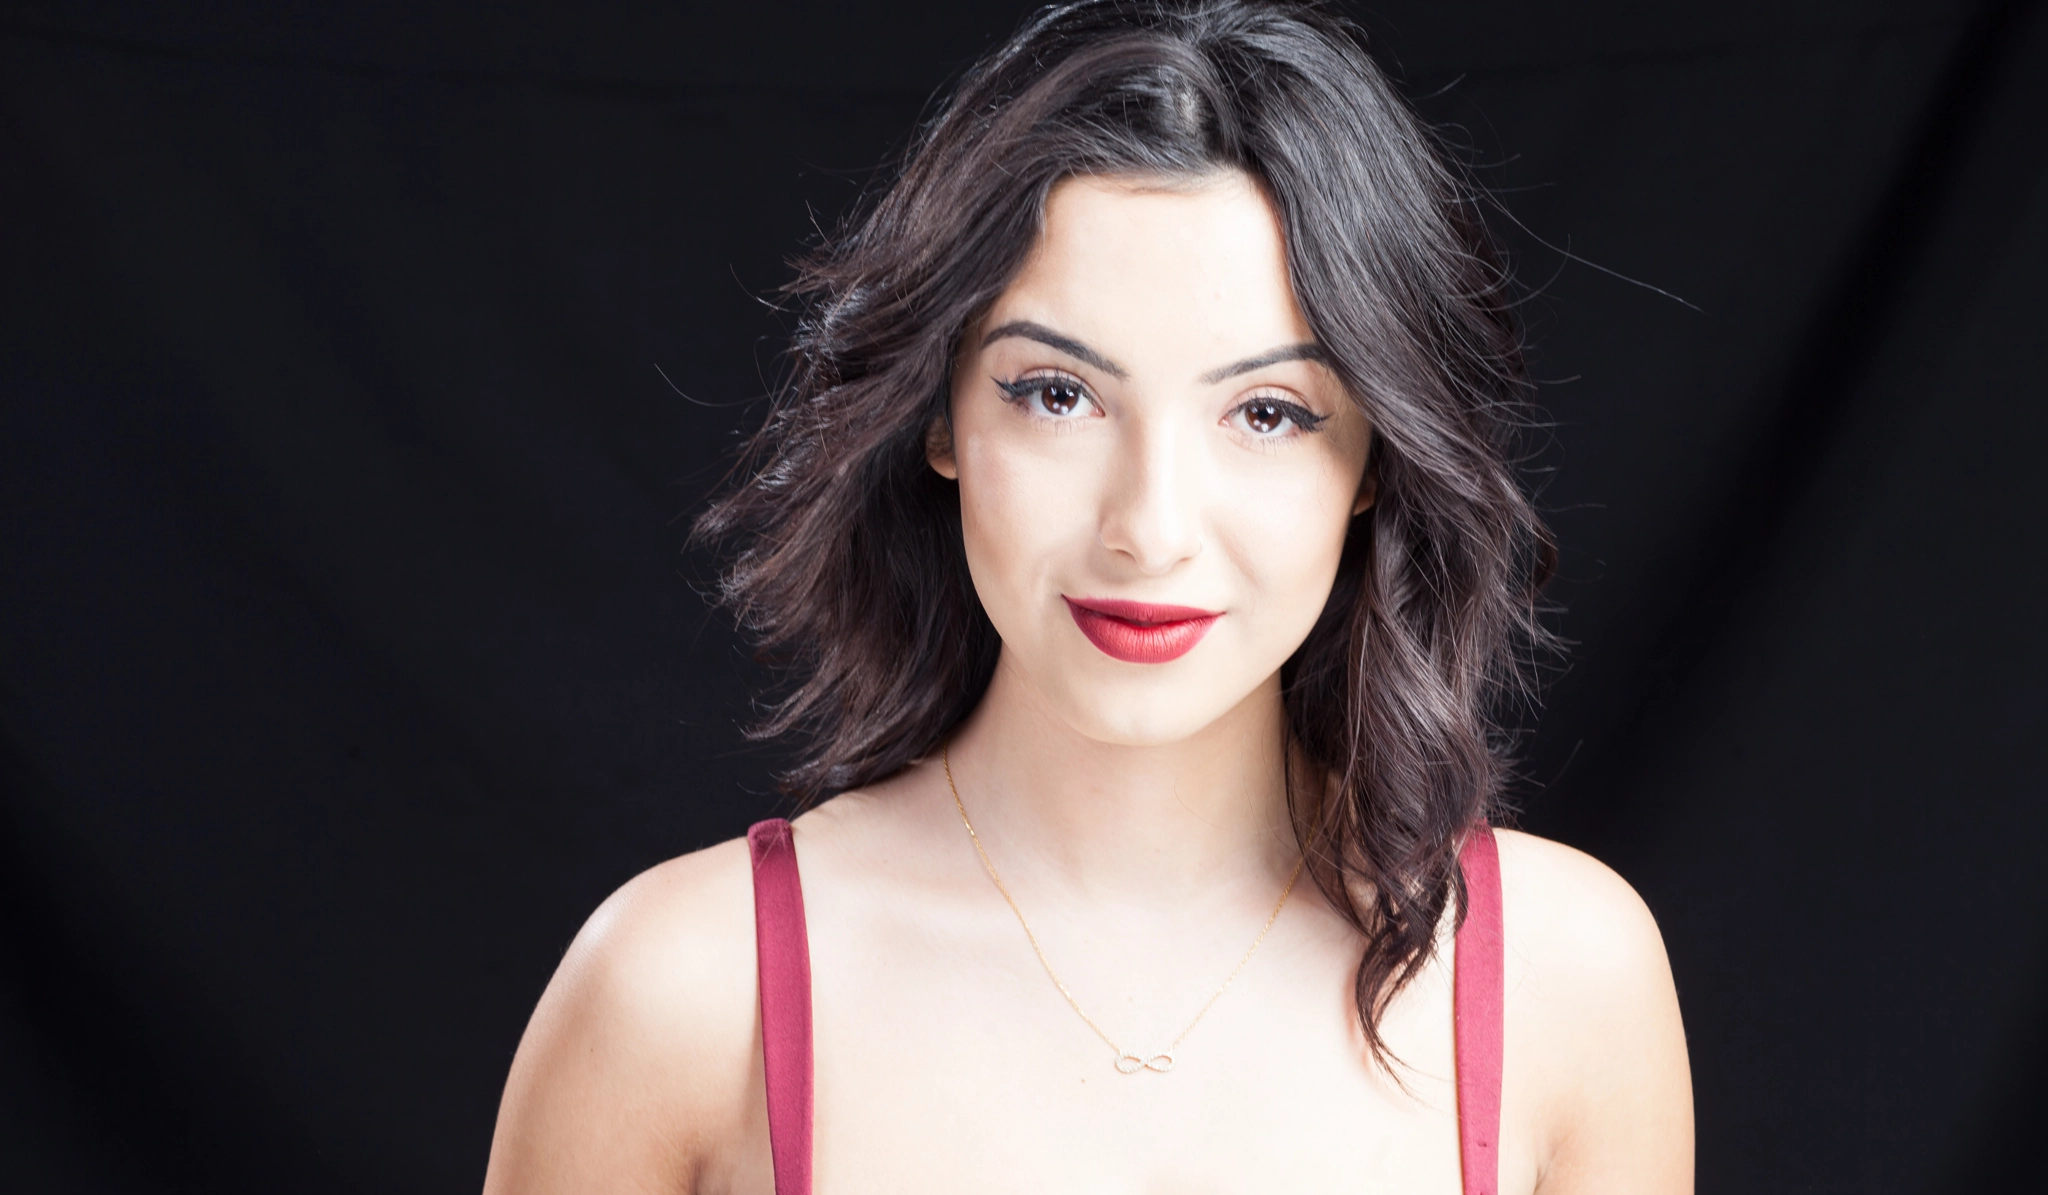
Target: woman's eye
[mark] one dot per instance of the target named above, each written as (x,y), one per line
(1272,418)
(1060,398)
(1264,417)
(1053,398)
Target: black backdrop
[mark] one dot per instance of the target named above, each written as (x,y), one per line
(349,653)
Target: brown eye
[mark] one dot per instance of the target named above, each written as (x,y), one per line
(1048,397)
(1264,417)
(1060,398)
(1274,418)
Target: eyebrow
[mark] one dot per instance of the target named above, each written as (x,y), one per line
(1051,339)
(1306,351)
(1292,352)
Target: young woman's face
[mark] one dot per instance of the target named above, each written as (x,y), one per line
(1156,469)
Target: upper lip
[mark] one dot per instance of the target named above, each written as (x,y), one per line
(1143,613)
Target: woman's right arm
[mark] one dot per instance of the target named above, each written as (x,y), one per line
(636,1069)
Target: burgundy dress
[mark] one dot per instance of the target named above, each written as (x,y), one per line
(785,955)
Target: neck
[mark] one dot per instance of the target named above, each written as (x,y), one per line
(1157,819)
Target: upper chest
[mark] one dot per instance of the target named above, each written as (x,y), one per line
(947,1059)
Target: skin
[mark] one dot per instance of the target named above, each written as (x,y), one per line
(1136,814)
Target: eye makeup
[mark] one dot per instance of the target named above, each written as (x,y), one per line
(1301,417)
(1062,394)
(1024,388)
(1058,396)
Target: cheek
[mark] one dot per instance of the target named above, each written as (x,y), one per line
(1285,529)
(1020,510)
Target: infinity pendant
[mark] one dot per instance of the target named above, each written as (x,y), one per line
(1131,1064)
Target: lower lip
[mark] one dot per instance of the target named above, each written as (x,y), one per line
(1139,634)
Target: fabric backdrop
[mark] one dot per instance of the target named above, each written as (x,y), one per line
(361,365)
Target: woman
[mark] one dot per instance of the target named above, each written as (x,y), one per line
(1138,528)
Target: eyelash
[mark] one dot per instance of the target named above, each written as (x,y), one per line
(1024,388)
(1303,419)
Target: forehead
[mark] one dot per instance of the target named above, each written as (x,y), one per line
(1138,266)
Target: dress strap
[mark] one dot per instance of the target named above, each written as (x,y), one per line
(1477,997)
(784,950)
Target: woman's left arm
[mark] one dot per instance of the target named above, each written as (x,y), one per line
(1597,1076)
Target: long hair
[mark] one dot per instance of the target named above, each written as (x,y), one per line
(848,565)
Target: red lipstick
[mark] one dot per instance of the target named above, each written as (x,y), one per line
(1141,632)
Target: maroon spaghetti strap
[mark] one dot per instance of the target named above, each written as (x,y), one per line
(1477,998)
(784,950)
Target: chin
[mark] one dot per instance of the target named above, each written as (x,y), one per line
(1154,711)
(1125,727)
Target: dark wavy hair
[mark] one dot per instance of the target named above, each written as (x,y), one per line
(849,568)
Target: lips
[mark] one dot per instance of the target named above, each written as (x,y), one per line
(1141,632)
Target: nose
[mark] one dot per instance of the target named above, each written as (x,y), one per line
(1151,500)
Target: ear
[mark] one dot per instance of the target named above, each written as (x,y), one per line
(1368,485)
(938,449)
(1368,489)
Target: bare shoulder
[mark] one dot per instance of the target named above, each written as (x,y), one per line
(673,950)
(1575,923)
(1596,1054)
(638,1062)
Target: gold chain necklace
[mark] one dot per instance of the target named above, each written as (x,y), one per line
(1126,1062)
